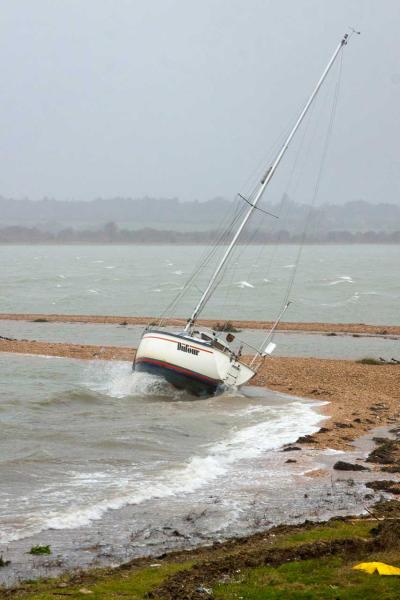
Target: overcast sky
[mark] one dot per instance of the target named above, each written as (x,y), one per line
(181,98)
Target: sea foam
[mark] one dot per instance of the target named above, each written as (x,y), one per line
(297,418)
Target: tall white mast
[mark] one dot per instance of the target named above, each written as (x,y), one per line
(263,184)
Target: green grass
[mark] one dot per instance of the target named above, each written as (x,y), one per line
(327,578)
(40,550)
(334,531)
(319,579)
(104,585)
(370,361)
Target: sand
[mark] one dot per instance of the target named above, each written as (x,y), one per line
(360,396)
(346,328)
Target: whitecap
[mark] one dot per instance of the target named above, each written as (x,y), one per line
(92,291)
(355,298)
(244,284)
(178,272)
(341,279)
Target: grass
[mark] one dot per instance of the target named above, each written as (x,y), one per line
(328,578)
(334,531)
(104,584)
(325,578)
(370,361)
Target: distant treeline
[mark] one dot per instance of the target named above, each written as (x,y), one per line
(165,214)
(111,234)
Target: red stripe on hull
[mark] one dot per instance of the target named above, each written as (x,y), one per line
(179,369)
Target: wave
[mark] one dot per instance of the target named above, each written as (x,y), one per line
(293,420)
(117,380)
(244,284)
(341,279)
(354,299)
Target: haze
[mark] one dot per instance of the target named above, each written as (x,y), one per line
(177,98)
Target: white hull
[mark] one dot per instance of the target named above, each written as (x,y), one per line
(190,363)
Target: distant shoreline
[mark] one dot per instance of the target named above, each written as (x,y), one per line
(303,327)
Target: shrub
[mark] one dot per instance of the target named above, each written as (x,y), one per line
(227,326)
(40,550)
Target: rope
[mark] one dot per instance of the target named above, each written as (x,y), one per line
(317,182)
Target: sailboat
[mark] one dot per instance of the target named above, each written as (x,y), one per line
(199,360)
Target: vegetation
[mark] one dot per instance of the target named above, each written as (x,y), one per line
(40,550)
(311,561)
(371,220)
(110,233)
(226,326)
(370,361)
(102,584)
(3,563)
(327,578)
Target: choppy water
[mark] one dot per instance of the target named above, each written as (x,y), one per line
(79,439)
(105,465)
(333,283)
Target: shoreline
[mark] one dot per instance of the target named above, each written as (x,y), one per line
(338,328)
(360,396)
(350,538)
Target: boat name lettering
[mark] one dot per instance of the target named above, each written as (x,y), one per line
(186,348)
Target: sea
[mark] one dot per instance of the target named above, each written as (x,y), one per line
(349,284)
(105,465)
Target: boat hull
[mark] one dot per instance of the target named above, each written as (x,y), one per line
(190,382)
(189,363)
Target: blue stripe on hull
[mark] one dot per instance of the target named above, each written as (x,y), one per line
(179,380)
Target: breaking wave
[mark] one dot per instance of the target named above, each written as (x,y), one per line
(293,420)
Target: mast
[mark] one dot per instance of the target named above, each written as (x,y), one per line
(263,184)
